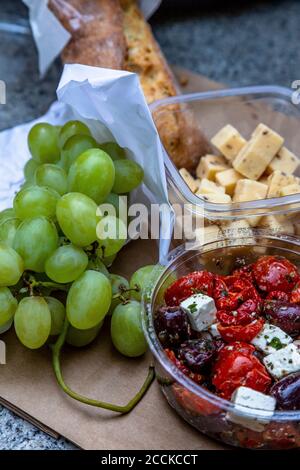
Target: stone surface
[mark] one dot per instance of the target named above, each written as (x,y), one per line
(254,44)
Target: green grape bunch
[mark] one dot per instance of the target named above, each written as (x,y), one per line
(56,250)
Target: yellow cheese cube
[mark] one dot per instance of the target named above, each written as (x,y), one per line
(190,181)
(290,189)
(206,187)
(228,141)
(284,161)
(275,224)
(208,234)
(228,179)
(256,155)
(249,190)
(209,166)
(218,198)
(278,180)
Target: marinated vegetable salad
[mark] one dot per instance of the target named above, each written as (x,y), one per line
(238,336)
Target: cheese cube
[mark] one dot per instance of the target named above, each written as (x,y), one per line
(228,179)
(190,181)
(290,189)
(278,180)
(270,339)
(201,311)
(275,224)
(218,198)
(209,166)
(228,141)
(248,190)
(284,161)
(250,402)
(283,362)
(206,187)
(256,155)
(213,330)
(208,234)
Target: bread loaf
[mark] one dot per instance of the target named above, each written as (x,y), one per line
(114,34)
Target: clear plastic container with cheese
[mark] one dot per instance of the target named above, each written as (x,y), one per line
(244,109)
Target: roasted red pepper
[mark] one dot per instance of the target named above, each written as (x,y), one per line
(295,294)
(279,295)
(198,281)
(241,332)
(237,366)
(275,273)
(245,314)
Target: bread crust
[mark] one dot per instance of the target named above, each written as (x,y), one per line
(114,34)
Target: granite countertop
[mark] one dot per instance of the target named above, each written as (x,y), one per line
(257,43)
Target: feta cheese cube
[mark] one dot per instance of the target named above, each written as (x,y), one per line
(201,311)
(290,189)
(250,402)
(278,180)
(228,179)
(283,362)
(213,330)
(218,198)
(270,339)
(209,187)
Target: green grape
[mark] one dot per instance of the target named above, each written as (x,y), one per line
(7,326)
(8,306)
(113,199)
(72,128)
(142,277)
(129,175)
(126,329)
(93,174)
(52,176)
(95,264)
(80,338)
(66,264)
(118,284)
(33,322)
(108,260)
(75,146)
(6,214)
(43,143)
(35,201)
(88,300)
(112,235)
(76,215)
(58,313)
(8,230)
(30,169)
(11,266)
(114,150)
(35,241)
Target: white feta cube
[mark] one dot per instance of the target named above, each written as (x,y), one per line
(213,330)
(252,409)
(283,362)
(271,339)
(201,311)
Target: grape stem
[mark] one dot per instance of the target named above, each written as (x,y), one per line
(56,353)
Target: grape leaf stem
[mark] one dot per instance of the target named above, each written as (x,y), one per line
(56,355)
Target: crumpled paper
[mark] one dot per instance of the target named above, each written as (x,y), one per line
(112,104)
(51,37)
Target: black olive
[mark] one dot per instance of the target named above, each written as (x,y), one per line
(285,315)
(172,326)
(287,392)
(197,353)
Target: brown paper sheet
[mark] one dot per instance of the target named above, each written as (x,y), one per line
(28,387)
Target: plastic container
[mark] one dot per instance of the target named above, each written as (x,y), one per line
(199,407)
(244,108)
